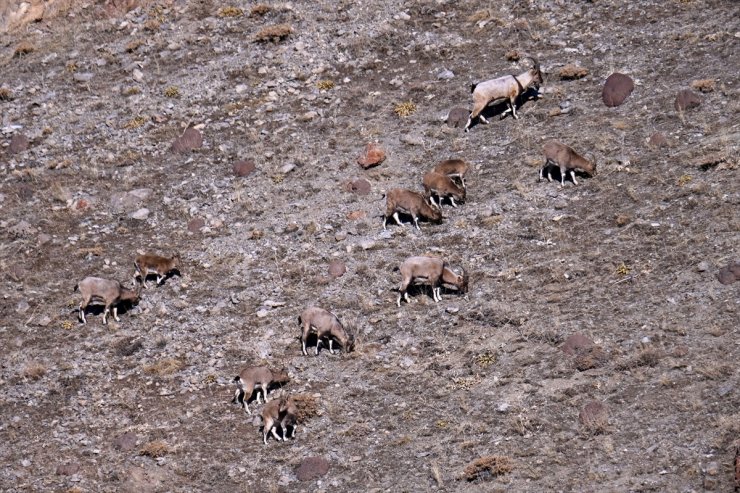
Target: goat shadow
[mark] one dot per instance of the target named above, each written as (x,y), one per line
(531,94)
(153,275)
(312,340)
(96,310)
(555,173)
(407,219)
(417,289)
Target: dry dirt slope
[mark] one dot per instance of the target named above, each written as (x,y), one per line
(627,258)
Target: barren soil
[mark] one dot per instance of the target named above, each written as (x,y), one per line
(628,258)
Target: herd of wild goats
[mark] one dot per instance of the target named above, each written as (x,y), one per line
(446,181)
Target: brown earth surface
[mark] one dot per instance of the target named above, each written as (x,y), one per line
(469,394)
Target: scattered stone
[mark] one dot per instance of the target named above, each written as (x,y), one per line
(340,236)
(658,140)
(446,74)
(44,321)
(22,307)
(138,75)
(616,89)
(126,442)
(308,116)
(67,469)
(367,244)
(686,100)
(196,224)
(18,143)
(703,266)
(360,186)
(312,468)
(83,76)
(337,268)
(244,168)
(729,273)
(594,416)
(572,72)
(457,117)
(575,343)
(373,155)
(22,228)
(190,140)
(356,215)
(129,201)
(140,214)
(287,168)
(412,140)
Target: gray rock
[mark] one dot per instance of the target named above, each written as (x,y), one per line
(446,74)
(83,76)
(703,266)
(140,214)
(312,468)
(22,307)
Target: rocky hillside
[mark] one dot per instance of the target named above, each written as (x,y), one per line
(596,349)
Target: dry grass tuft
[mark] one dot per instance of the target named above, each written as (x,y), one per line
(404,109)
(715,370)
(23,48)
(513,56)
(486,359)
(131,91)
(166,366)
(259,10)
(34,371)
(5,94)
(134,45)
(647,357)
(593,357)
(172,92)
(67,325)
(684,180)
(152,25)
(135,122)
(274,33)
(622,270)
(155,449)
(595,417)
(230,11)
(703,85)
(572,72)
(325,85)
(307,405)
(493,465)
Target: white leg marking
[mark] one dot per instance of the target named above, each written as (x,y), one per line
(303,345)
(398,220)
(399,300)
(406,297)
(483,119)
(159,279)
(115,314)
(452,201)
(573,176)
(105,315)
(331,344)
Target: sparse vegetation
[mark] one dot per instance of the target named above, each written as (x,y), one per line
(165,366)
(135,122)
(172,92)
(155,449)
(230,11)
(274,33)
(259,10)
(24,48)
(5,94)
(404,109)
(325,85)
(34,371)
(489,465)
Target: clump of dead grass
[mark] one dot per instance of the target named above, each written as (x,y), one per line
(275,33)
(166,366)
(134,45)
(572,72)
(5,94)
(131,91)
(307,407)
(325,85)
(593,357)
(23,48)
(155,449)
(647,357)
(595,417)
(404,109)
(34,371)
(259,10)
(230,11)
(135,122)
(489,465)
(703,85)
(172,92)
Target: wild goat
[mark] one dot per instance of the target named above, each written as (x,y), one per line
(281,412)
(412,203)
(109,293)
(325,325)
(568,160)
(432,271)
(154,264)
(454,168)
(443,187)
(503,89)
(256,378)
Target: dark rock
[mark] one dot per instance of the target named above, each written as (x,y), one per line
(196,224)
(457,117)
(594,416)
(360,186)
(190,140)
(726,275)
(337,268)
(18,143)
(616,89)
(575,343)
(658,140)
(312,468)
(126,442)
(373,155)
(686,100)
(244,168)
(67,469)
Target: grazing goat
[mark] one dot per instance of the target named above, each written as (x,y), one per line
(443,187)
(454,168)
(109,293)
(503,89)
(326,326)
(281,412)
(154,264)
(432,271)
(568,160)
(412,203)
(256,378)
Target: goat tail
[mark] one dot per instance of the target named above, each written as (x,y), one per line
(77,288)
(473,86)
(396,269)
